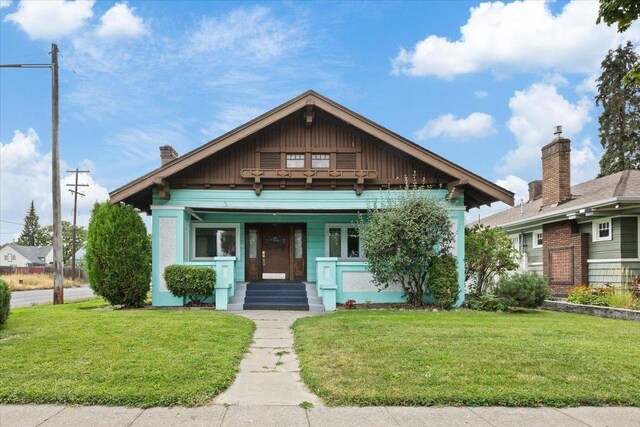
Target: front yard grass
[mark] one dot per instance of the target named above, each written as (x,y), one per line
(405,358)
(84,354)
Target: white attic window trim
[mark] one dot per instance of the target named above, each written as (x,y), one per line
(602,230)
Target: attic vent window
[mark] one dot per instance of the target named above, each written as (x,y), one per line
(320,160)
(346,160)
(295,161)
(270,161)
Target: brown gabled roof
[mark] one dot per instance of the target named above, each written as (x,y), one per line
(618,188)
(484,191)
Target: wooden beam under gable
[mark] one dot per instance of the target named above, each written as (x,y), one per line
(164,190)
(455,187)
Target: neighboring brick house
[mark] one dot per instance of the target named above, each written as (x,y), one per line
(14,255)
(582,234)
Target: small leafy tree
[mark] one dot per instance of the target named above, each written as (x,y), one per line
(402,237)
(190,281)
(31,233)
(118,254)
(488,253)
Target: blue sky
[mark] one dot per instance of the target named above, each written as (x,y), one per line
(481,84)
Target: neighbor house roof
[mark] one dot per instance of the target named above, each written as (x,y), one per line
(31,253)
(481,190)
(605,195)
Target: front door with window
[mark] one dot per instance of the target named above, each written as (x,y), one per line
(275,252)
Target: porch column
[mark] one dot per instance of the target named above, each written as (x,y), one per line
(327,281)
(225,280)
(168,247)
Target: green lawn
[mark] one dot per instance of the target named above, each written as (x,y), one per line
(386,357)
(80,353)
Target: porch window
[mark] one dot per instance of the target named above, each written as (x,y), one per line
(537,239)
(295,161)
(215,240)
(343,241)
(602,230)
(320,160)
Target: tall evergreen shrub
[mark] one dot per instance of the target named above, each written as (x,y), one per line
(118,254)
(5,301)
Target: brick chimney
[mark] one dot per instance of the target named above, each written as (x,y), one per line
(556,170)
(167,153)
(535,189)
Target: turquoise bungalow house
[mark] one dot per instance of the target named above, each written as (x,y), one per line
(271,205)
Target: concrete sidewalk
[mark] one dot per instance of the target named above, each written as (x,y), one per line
(284,416)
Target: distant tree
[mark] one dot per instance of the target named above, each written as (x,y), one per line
(488,253)
(622,13)
(31,233)
(620,119)
(67,238)
(402,238)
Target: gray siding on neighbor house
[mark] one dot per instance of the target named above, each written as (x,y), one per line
(612,273)
(629,232)
(608,249)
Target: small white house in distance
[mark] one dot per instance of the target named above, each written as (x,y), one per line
(12,254)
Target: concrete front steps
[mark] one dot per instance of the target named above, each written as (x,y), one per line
(276,296)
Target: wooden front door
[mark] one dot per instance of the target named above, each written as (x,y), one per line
(275,252)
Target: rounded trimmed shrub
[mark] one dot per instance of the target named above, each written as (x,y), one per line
(190,281)
(5,301)
(443,281)
(118,254)
(528,290)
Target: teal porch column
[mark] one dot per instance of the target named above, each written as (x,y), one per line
(327,282)
(225,281)
(167,247)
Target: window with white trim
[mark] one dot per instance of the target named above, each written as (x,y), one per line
(537,239)
(515,241)
(320,160)
(215,240)
(295,161)
(602,230)
(343,241)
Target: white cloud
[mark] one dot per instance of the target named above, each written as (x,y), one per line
(584,161)
(250,33)
(476,125)
(517,185)
(230,117)
(588,86)
(120,21)
(480,93)
(555,79)
(513,183)
(51,19)
(25,175)
(522,36)
(534,112)
(5,3)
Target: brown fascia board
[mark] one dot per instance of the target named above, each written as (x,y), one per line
(339,111)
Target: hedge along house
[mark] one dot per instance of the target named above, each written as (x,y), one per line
(276,199)
(588,233)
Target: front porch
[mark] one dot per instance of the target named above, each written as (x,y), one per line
(301,236)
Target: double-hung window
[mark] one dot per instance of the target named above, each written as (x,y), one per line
(343,241)
(537,239)
(602,230)
(295,161)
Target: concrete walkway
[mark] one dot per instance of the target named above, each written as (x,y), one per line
(29,298)
(285,416)
(269,372)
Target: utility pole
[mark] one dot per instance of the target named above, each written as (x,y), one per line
(58,289)
(58,285)
(75,213)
